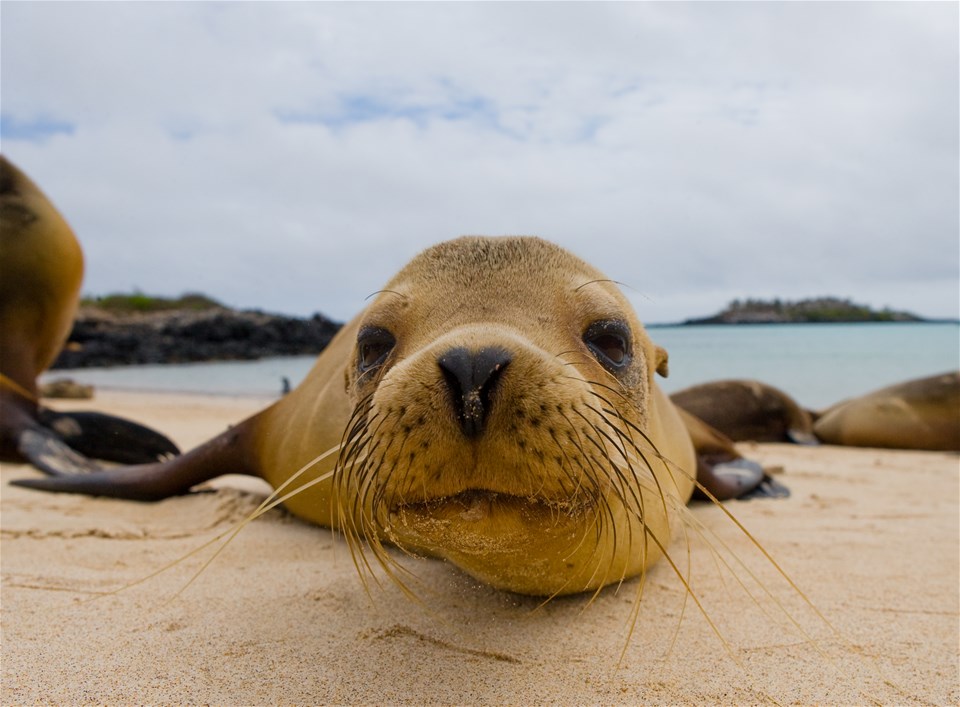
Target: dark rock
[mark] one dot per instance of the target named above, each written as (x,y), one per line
(66,388)
(101,338)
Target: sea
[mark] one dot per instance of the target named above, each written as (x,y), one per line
(817,364)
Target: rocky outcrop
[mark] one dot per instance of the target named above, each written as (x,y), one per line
(67,389)
(808,311)
(102,338)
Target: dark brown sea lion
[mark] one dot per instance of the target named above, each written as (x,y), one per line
(919,414)
(495,405)
(748,410)
(42,268)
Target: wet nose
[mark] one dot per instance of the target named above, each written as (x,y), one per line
(471,378)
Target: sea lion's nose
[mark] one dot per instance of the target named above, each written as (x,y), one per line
(471,378)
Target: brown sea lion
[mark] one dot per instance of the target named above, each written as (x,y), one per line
(919,414)
(494,405)
(748,410)
(42,268)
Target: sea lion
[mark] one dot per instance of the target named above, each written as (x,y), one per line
(42,271)
(494,405)
(748,410)
(919,414)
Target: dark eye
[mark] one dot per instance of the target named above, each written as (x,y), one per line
(609,341)
(373,346)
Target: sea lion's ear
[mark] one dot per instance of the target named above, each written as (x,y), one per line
(662,359)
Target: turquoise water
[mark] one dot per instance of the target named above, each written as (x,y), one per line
(817,364)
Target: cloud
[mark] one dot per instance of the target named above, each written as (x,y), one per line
(293,156)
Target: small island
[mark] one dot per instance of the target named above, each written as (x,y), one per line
(817,310)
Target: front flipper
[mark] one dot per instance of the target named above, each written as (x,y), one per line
(721,470)
(799,436)
(228,453)
(114,439)
(739,478)
(46,451)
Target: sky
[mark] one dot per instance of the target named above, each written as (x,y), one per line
(291,157)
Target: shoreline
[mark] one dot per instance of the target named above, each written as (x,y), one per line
(871,536)
(818,366)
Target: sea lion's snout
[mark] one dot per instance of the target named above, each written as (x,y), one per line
(472,378)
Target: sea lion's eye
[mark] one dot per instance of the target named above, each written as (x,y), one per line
(609,341)
(373,346)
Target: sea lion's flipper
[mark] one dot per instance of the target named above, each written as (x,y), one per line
(48,452)
(769,487)
(107,437)
(727,477)
(722,470)
(798,436)
(738,478)
(228,453)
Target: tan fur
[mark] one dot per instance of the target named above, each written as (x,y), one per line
(514,508)
(42,268)
(917,414)
(747,410)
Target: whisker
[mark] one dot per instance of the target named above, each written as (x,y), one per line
(267,504)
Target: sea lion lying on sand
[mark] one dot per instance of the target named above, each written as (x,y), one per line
(494,405)
(748,410)
(919,414)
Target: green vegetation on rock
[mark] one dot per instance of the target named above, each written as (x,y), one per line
(119,303)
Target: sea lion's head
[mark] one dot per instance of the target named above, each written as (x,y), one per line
(506,420)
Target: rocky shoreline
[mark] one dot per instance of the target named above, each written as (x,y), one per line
(197,328)
(103,338)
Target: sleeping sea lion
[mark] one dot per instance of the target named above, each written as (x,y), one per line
(39,289)
(919,414)
(748,410)
(494,405)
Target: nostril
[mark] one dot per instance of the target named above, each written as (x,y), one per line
(455,367)
(471,378)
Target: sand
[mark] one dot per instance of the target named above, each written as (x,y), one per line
(282,617)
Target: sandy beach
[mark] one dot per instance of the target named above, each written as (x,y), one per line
(281,616)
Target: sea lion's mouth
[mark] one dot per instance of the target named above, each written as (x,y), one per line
(479,522)
(477,505)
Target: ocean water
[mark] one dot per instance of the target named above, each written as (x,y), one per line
(818,364)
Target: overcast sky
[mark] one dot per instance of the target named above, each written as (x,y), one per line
(291,156)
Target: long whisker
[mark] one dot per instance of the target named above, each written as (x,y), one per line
(229,534)
(629,440)
(243,524)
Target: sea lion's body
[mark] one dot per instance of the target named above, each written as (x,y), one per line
(918,414)
(748,410)
(42,270)
(496,406)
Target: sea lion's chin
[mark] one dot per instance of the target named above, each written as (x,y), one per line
(513,543)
